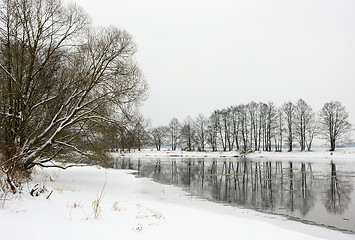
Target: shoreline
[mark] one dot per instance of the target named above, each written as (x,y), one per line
(320,154)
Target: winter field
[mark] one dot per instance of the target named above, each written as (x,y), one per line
(97,203)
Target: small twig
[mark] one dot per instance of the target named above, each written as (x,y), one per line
(49,194)
(34,189)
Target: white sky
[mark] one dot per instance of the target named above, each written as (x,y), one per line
(203,55)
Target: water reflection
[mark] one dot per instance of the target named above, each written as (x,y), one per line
(337,197)
(293,189)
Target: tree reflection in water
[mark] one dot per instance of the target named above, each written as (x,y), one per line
(276,187)
(337,197)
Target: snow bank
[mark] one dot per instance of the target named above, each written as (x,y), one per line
(318,154)
(134,208)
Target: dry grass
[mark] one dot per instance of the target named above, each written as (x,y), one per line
(96,208)
(146,213)
(63,188)
(96,203)
(115,207)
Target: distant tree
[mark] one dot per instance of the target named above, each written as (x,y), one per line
(140,132)
(201,123)
(263,109)
(188,133)
(312,130)
(253,112)
(334,123)
(174,130)
(261,117)
(270,123)
(132,135)
(228,128)
(235,121)
(244,126)
(158,135)
(289,110)
(278,131)
(223,128)
(303,115)
(213,126)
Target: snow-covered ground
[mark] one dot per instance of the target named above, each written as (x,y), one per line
(340,154)
(134,208)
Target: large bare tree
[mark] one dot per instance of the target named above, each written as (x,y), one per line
(62,83)
(303,116)
(335,123)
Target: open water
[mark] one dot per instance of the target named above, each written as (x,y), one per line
(314,193)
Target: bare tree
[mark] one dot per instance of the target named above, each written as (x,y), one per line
(235,121)
(63,83)
(271,124)
(263,109)
(158,135)
(223,128)
(213,126)
(200,127)
(261,117)
(289,112)
(174,132)
(244,126)
(303,117)
(188,133)
(334,123)
(253,108)
(312,130)
(140,132)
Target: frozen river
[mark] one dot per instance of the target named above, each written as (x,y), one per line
(320,193)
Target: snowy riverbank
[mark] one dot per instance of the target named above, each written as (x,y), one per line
(134,208)
(340,154)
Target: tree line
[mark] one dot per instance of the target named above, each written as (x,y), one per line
(255,127)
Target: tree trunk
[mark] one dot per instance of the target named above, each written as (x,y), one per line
(332,145)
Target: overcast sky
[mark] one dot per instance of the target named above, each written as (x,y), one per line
(203,55)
